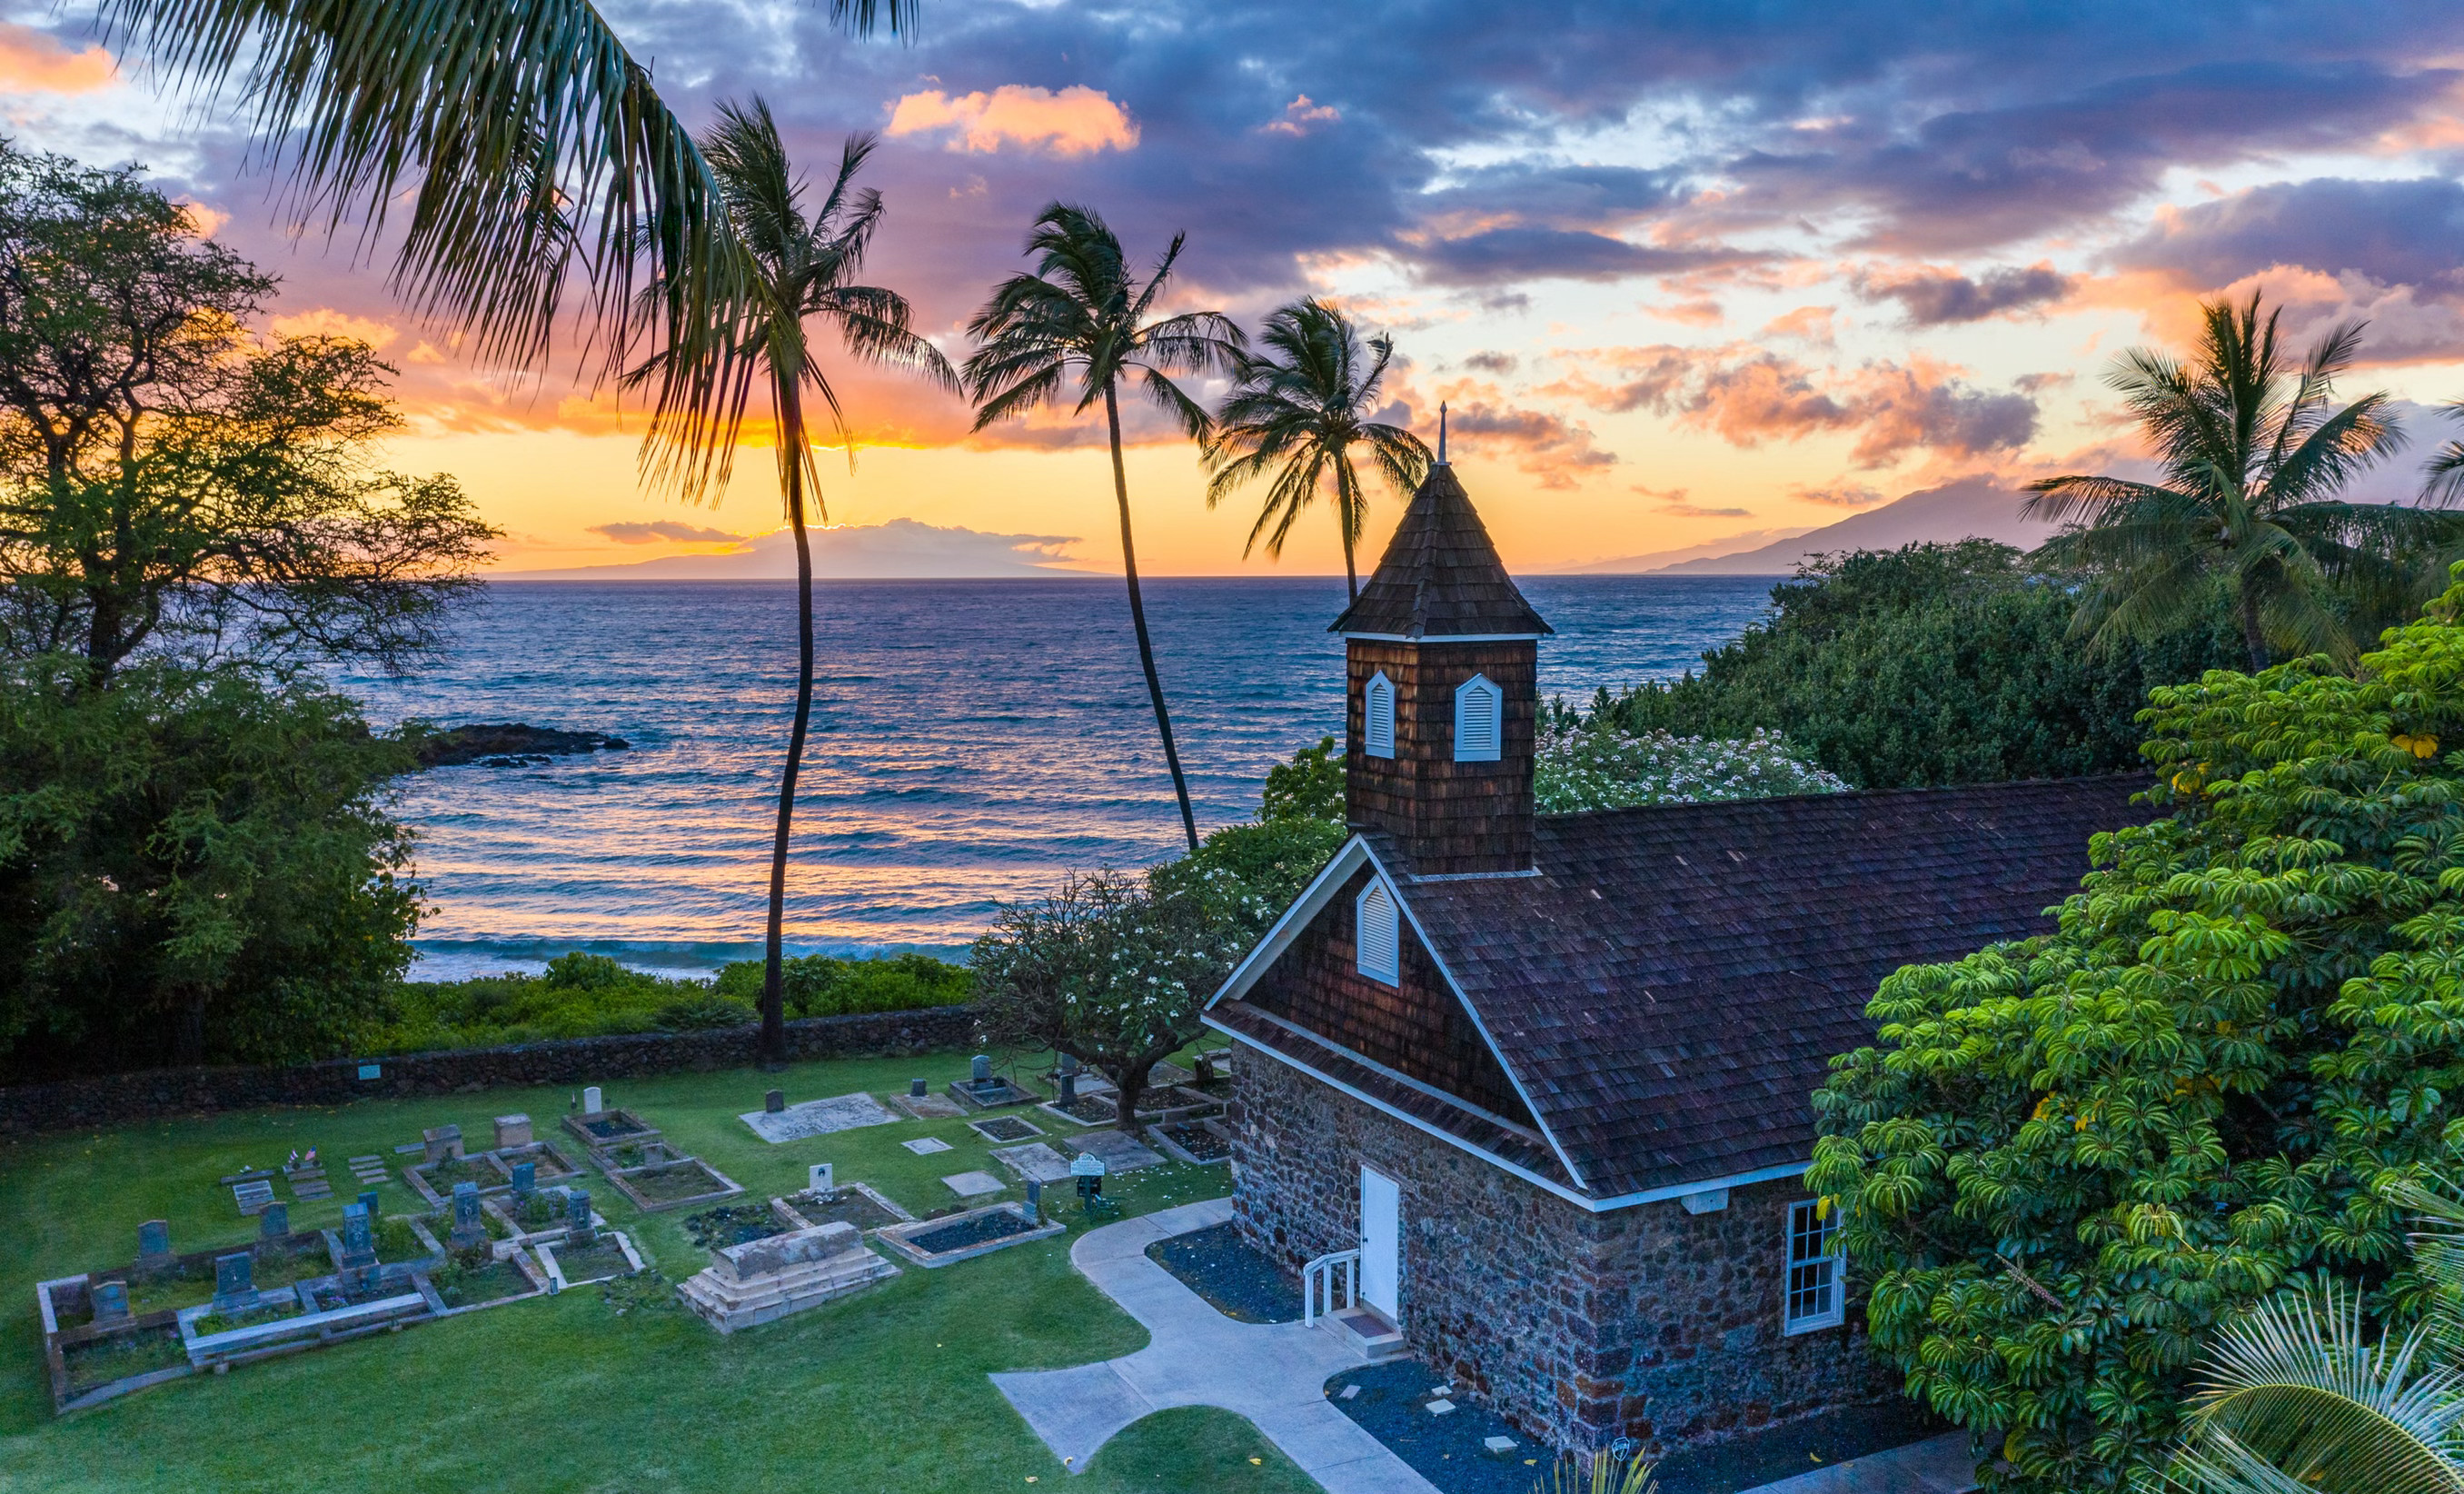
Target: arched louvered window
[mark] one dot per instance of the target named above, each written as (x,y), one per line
(1378,934)
(1377,716)
(1478,730)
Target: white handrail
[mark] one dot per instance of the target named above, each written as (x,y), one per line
(1320,1278)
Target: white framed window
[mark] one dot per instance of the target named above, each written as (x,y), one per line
(1377,716)
(1378,934)
(1817,1296)
(1479,728)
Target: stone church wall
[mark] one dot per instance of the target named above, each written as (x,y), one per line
(1647,1322)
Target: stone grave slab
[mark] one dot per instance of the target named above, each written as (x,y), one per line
(1036,1161)
(1118,1153)
(368,1171)
(974,1185)
(817,1118)
(252,1196)
(926,1146)
(928,1107)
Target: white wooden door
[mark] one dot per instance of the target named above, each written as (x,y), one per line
(1381,1245)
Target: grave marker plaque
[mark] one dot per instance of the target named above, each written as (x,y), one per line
(578,1231)
(234,1278)
(358,1236)
(1034,1202)
(915,1088)
(817,1177)
(153,1240)
(525,1178)
(774,1101)
(979,1070)
(469,1228)
(275,1222)
(110,1301)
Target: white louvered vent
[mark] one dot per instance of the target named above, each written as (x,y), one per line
(1478,705)
(1378,940)
(1377,716)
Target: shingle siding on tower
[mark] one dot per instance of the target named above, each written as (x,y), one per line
(1450,818)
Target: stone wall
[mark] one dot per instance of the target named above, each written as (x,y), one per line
(1647,1322)
(116,1099)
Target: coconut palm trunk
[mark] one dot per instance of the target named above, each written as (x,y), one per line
(1138,621)
(773,965)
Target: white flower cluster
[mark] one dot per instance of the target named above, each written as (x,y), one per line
(1598,767)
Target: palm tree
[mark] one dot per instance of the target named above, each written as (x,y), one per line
(2253,453)
(2300,1399)
(797,267)
(1081,323)
(526,139)
(1299,415)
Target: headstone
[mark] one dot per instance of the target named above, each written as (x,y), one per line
(525,1178)
(110,1301)
(234,1278)
(1069,1063)
(591,1100)
(578,1229)
(358,1236)
(979,1071)
(1034,1202)
(817,1178)
(916,1090)
(153,1240)
(1069,1088)
(774,1101)
(513,1130)
(469,1227)
(368,1201)
(441,1142)
(276,1221)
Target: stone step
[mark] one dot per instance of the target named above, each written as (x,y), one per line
(1368,1334)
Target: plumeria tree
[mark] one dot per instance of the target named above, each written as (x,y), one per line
(2069,1163)
(1588,763)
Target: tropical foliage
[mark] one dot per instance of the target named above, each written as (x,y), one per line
(195,865)
(2070,1161)
(1077,329)
(1595,766)
(2254,452)
(587,996)
(1297,408)
(798,266)
(1926,666)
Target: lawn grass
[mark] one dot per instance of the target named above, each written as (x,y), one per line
(883,1390)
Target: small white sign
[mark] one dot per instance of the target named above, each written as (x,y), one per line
(1087,1166)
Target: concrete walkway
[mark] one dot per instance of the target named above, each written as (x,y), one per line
(1941,1465)
(1274,1374)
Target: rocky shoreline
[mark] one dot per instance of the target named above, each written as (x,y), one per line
(509,744)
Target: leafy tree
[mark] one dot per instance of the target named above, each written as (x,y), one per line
(1084,316)
(194,866)
(2253,453)
(1925,665)
(2069,1160)
(1308,787)
(1294,414)
(798,267)
(168,481)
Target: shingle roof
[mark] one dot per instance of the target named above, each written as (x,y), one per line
(1670,988)
(1441,576)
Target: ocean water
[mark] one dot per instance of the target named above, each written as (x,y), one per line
(971,743)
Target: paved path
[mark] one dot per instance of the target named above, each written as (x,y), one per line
(1274,1374)
(1941,1465)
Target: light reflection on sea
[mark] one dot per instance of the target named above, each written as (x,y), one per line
(971,740)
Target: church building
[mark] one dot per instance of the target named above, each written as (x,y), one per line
(1527,1097)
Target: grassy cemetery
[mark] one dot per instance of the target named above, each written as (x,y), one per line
(695,1284)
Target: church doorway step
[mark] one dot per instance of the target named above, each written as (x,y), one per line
(1381,1245)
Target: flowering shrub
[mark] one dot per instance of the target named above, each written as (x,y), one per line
(1596,766)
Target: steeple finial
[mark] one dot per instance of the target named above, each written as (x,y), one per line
(1442,432)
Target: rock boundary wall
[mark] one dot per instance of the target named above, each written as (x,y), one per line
(155,1094)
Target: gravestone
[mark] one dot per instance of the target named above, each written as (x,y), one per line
(441,1142)
(579,1232)
(154,1241)
(513,1130)
(525,1178)
(469,1227)
(1034,1202)
(368,1201)
(817,1178)
(774,1101)
(1089,1173)
(234,1278)
(979,1071)
(358,1236)
(110,1301)
(915,1088)
(591,1100)
(276,1221)
(1069,1087)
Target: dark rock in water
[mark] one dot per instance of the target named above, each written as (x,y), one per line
(511,744)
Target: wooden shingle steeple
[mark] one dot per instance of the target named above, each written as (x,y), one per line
(1443,657)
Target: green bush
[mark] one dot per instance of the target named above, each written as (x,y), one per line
(819,985)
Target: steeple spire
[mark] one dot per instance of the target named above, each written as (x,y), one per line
(1442,434)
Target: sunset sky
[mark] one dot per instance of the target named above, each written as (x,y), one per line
(1682,272)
